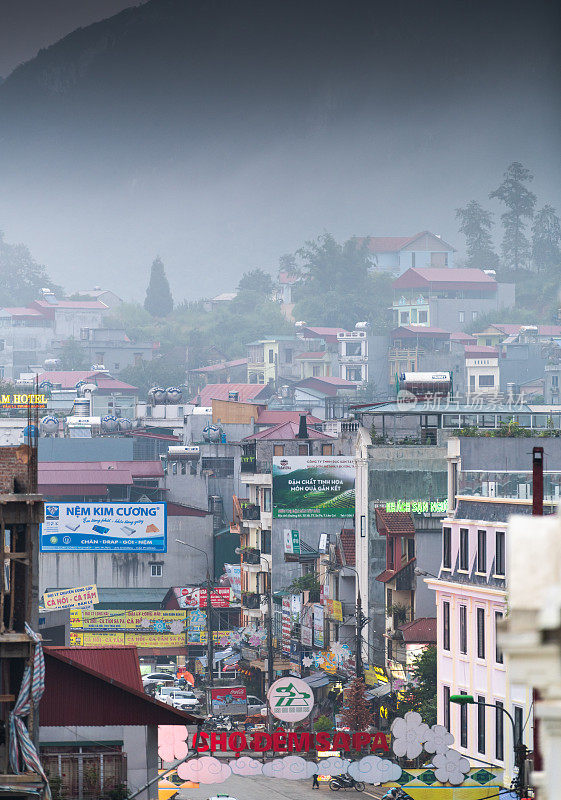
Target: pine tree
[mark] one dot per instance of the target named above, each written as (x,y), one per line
(357,715)
(546,240)
(476,224)
(420,695)
(159,301)
(520,202)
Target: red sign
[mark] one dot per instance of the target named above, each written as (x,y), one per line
(197,598)
(282,742)
(230,700)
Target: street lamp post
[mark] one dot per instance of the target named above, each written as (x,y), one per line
(209,631)
(520,749)
(269,593)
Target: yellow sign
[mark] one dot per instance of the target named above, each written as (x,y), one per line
(23,401)
(71,598)
(337,611)
(155,640)
(121,619)
(374,675)
(96,639)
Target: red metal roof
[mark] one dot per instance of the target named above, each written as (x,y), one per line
(394,523)
(119,663)
(312,355)
(80,477)
(273,417)
(179,510)
(19,311)
(480,350)
(459,336)
(221,391)
(287,431)
(329,334)
(327,386)
(287,277)
(138,469)
(95,305)
(444,278)
(393,244)
(390,574)
(514,327)
(414,331)
(67,379)
(68,490)
(77,694)
(238,362)
(420,631)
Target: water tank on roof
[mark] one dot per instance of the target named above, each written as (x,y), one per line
(46,386)
(157,395)
(52,363)
(124,424)
(81,407)
(173,394)
(362,326)
(49,425)
(212,433)
(109,423)
(79,384)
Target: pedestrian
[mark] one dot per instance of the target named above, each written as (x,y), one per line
(315,784)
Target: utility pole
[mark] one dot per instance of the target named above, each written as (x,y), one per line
(360,622)
(209,632)
(270,656)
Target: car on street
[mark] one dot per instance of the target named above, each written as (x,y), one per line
(157,677)
(184,701)
(255,705)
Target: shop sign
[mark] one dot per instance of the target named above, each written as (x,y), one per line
(81,597)
(318,625)
(290,699)
(191,597)
(286,624)
(230,700)
(291,542)
(283,742)
(23,401)
(417,506)
(115,620)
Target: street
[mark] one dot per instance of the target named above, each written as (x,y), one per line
(243,788)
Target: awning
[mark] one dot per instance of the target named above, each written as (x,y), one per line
(379,691)
(316,680)
(220,655)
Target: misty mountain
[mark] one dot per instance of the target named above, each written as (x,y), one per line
(222,133)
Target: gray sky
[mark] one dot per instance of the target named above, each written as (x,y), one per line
(28,25)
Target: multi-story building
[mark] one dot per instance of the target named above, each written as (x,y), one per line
(112,348)
(447,298)
(488,480)
(272,360)
(107,395)
(395,254)
(482,371)
(499,332)
(419,348)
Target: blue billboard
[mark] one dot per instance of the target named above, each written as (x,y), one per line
(104,527)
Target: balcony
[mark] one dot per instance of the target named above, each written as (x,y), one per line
(250,600)
(359,359)
(251,556)
(250,510)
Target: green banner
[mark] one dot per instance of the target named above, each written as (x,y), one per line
(313,486)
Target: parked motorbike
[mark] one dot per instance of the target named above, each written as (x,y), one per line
(396,794)
(218,723)
(345,782)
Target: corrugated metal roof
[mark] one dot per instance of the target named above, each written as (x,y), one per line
(287,431)
(76,694)
(420,631)
(396,523)
(221,391)
(119,663)
(272,417)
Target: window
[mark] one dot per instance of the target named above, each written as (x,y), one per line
(446,690)
(447,548)
(116,366)
(221,466)
(464,549)
(174,468)
(500,553)
(498,652)
(2,344)
(410,549)
(2,371)
(316,370)
(156,570)
(474,315)
(288,356)
(446,625)
(480,725)
(266,542)
(472,383)
(327,449)
(84,333)
(404,318)
(271,356)
(423,317)
(303,449)
(482,551)
(554,381)
(412,259)
(462,316)
(486,380)
(265,499)
(463,630)
(278,450)
(463,724)
(499,732)
(480,633)
(518,724)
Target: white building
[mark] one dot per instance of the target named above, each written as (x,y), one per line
(397,253)
(482,370)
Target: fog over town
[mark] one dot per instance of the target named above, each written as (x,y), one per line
(280,413)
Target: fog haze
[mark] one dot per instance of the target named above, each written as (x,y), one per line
(222,135)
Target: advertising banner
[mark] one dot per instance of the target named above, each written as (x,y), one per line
(81,597)
(291,541)
(234,573)
(307,625)
(191,597)
(115,620)
(111,638)
(337,610)
(104,527)
(155,640)
(313,486)
(229,700)
(290,699)
(318,625)
(286,623)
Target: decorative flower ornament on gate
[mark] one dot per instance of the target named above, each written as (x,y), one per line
(412,736)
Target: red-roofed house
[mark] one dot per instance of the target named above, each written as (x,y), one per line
(410,640)
(110,396)
(314,364)
(99,729)
(398,253)
(268,417)
(447,298)
(497,332)
(242,392)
